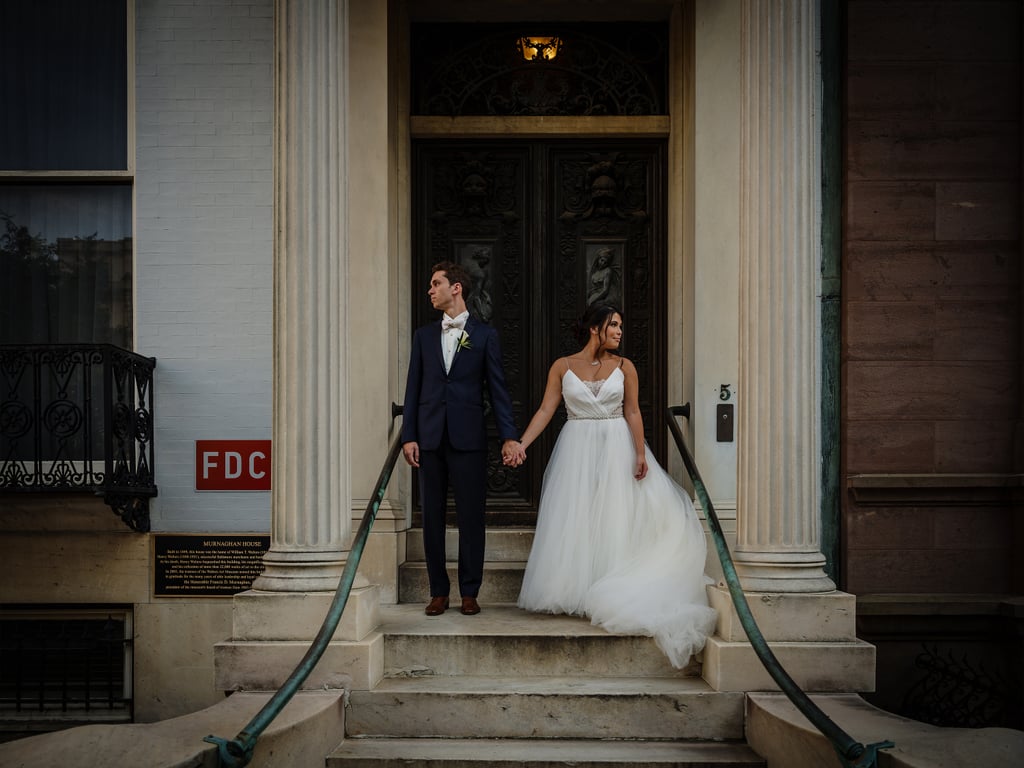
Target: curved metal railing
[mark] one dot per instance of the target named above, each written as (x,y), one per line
(238,752)
(851,752)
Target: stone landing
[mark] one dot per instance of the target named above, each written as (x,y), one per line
(812,635)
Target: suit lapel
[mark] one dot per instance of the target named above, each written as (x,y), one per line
(458,347)
(435,335)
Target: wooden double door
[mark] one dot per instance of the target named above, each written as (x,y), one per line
(546,228)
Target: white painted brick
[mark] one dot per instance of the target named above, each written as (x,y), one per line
(204,275)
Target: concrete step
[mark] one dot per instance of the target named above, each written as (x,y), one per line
(502,544)
(537,753)
(503,640)
(545,708)
(501,584)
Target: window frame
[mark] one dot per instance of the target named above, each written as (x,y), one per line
(55,717)
(127,175)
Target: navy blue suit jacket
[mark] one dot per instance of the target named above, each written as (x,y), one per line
(435,399)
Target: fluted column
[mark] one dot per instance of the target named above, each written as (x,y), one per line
(778,538)
(310,518)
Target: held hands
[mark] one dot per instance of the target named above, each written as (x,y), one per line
(512,453)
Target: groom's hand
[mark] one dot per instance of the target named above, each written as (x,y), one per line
(512,453)
(411,451)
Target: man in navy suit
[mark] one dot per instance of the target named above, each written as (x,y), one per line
(444,434)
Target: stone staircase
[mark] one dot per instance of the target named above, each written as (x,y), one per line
(507,686)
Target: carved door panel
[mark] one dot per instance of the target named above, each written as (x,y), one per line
(546,228)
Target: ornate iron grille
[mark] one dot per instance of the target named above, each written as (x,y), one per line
(79,417)
(70,668)
(601,69)
(956,693)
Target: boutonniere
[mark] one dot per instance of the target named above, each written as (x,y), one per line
(464,342)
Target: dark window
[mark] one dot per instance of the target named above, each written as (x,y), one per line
(64,85)
(66,188)
(66,264)
(65,666)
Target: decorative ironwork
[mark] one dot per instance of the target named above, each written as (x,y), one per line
(539,48)
(600,69)
(955,693)
(79,417)
(545,227)
(609,250)
(66,668)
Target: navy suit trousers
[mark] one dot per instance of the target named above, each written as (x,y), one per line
(466,472)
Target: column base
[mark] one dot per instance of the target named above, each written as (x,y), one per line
(793,617)
(301,571)
(812,635)
(265,616)
(241,665)
(816,667)
(780,572)
(271,633)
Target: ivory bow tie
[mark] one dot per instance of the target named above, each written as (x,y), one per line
(449,323)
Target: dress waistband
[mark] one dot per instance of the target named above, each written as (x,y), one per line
(615,415)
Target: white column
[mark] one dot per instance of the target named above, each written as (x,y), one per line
(777,547)
(310,518)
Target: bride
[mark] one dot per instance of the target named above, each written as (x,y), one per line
(617,539)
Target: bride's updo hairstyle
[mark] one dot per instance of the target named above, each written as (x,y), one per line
(597,316)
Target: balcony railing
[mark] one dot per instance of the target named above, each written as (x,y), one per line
(79,417)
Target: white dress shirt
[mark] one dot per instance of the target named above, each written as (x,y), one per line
(452,329)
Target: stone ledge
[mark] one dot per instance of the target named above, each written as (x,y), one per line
(783,736)
(937,604)
(791,616)
(299,615)
(308,728)
(821,667)
(578,753)
(265,666)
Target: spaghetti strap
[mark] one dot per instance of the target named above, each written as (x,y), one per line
(621,360)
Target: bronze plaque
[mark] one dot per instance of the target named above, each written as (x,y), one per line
(206,565)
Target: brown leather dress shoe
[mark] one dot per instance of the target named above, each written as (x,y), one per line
(470,606)
(436,606)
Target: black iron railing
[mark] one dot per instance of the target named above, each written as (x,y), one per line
(65,666)
(79,417)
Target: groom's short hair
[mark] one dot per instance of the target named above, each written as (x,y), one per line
(455,273)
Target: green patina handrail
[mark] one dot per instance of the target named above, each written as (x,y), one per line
(851,752)
(238,751)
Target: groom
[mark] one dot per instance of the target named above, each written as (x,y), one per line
(443,431)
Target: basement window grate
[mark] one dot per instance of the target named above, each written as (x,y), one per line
(65,667)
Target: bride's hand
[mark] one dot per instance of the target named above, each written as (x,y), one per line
(512,453)
(640,472)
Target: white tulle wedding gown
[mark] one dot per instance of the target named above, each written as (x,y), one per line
(627,553)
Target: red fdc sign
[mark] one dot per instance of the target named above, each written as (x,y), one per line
(232,465)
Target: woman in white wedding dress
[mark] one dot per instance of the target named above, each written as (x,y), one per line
(617,539)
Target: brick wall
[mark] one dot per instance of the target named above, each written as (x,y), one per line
(931,295)
(204,213)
